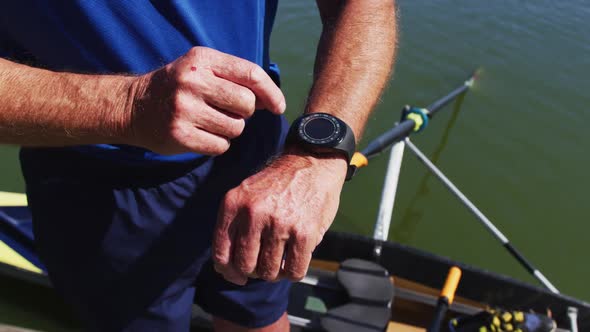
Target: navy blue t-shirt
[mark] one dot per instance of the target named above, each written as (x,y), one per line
(132,36)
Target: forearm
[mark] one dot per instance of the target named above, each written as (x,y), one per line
(275,218)
(354,59)
(44,108)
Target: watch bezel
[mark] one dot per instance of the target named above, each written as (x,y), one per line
(331,140)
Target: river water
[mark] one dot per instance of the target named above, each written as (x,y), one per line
(517,145)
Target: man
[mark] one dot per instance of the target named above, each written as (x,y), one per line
(133,215)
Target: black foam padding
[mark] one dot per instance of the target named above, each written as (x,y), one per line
(356,317)
(476,284)
(365,282)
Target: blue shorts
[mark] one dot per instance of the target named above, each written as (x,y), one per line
(129,246)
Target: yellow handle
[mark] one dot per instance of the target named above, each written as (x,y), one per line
(12,199)
(451,284)
(359,160)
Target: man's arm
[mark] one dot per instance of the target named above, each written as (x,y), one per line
(287,207)
(45,108)
(194,104)
(354,59)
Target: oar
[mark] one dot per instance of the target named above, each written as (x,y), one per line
(446,298)
(413,123)
(414,119)
(482,218)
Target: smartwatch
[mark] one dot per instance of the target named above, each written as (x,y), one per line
(323,133)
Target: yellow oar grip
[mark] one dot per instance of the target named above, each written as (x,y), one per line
(451,284)
(359,160)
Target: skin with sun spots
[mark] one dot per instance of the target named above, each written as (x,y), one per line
(174,109)
(285,209)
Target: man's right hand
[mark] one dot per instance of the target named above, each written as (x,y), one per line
(199,102)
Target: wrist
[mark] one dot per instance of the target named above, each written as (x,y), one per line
(105,100)
(323,137)
(331,161)
(132,91)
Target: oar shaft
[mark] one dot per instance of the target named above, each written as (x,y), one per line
(380,143)
(447,295)
(439,104)
(406,127)
(439,315)
(481,217)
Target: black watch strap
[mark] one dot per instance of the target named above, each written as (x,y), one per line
(339,137)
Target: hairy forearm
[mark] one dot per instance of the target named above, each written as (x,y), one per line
(44,108)
(280,214)
(354,59)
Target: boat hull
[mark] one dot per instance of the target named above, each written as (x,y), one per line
(414,272)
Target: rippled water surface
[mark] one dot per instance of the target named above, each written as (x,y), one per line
(517,146)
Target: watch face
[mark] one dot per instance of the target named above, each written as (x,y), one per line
(320,129)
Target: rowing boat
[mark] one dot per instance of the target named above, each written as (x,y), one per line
(355,283)
(417,276)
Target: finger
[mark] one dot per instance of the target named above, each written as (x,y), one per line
(231,97)
(270,258)
(207,143)
(228,271)
(208,118)
(246,245)
(299,250)
(219,122)
(250,75)
(188,138)
(232,275)
(223,233)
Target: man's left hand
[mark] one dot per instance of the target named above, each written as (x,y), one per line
(269,225)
